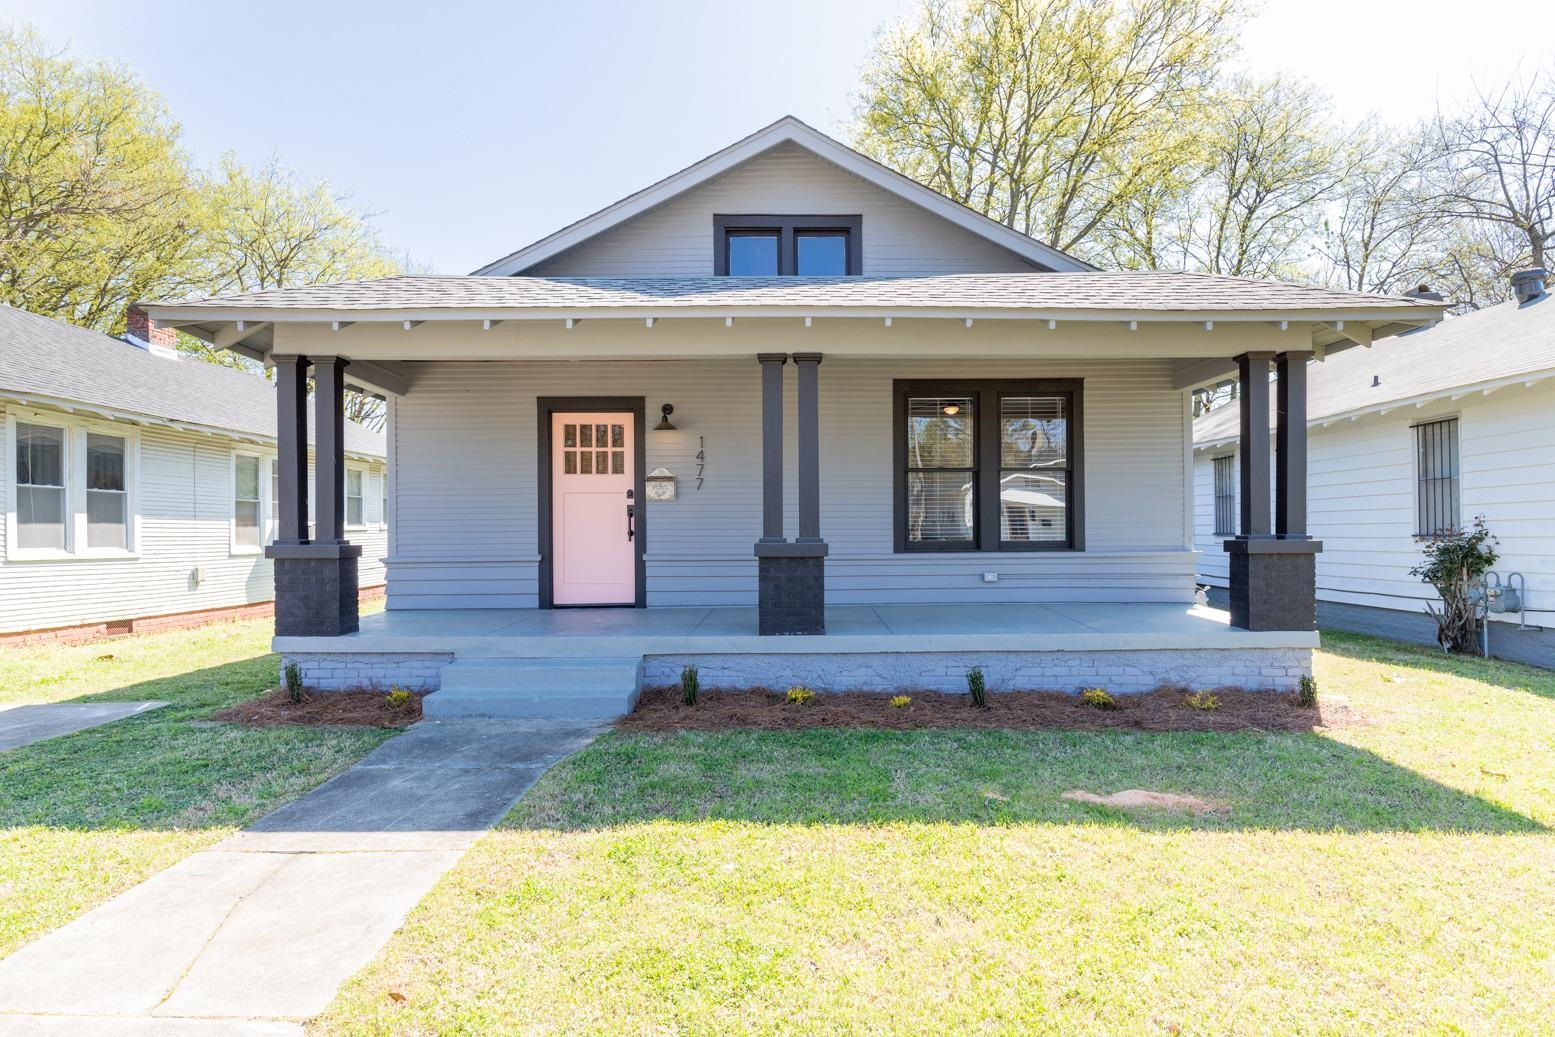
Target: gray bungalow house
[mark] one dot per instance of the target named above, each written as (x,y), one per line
(137,490)
(791,417)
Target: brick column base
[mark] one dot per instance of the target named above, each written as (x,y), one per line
(1274,584)
(791,589)
(315,589)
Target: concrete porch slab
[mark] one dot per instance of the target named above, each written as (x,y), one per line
(23,725)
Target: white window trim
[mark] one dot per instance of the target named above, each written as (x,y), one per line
(383,498)
(76,430)
(345,496)
(233,547)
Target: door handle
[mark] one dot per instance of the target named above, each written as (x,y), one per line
(630,530)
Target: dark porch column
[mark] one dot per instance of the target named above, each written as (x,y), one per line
(291,437)
(1274,573)
(315,580)
(791,577)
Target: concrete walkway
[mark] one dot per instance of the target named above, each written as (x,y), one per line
(23,725)
(256,934)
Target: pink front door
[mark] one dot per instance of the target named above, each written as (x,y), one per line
(593,475)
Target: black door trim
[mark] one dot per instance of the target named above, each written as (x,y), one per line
(551,405)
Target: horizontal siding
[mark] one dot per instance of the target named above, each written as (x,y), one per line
(464,442)
(1361,493)
(183,490)
(676,239)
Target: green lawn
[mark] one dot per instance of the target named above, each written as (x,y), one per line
(88,815)
(1395,877)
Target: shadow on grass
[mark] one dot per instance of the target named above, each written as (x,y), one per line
(1266,781)
(1495,672)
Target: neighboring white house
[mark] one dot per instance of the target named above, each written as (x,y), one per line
(1423,431)
(784,391)
(138,489)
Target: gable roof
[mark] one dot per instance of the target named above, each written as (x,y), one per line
(49,362)
(1479,351)
(786,130)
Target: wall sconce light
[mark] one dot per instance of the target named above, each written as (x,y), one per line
(665,425)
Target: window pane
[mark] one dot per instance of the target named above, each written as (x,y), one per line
(40,455)
(617,435)
(939,432)
(40,517)
(823,253)
(104,462)
(354,484)
(570,462)
(105,519)
(1033,432)
(275,490)
(1033,506)
(753,255)
(588,435)
(569,435)
(246,523)
(353,511)
(602,463)
(585,462)
(246,478)
(617,462)
(940,506)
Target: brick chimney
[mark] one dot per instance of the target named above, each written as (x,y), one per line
(140,330)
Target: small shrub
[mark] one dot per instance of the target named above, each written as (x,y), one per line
(1098,698)
(293,683)
(1455,561)
(900,701)
(690,684)
(1306,691)
(798,696)
(977,687)
(1202,700)
(397,698)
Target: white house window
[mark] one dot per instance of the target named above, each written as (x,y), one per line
(1436,489)
(107,494)
(275,499)
(1225,496)
(40,487)
(383,499)
(245,501)
(355,500)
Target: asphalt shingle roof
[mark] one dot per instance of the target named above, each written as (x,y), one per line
(48,358)
(1488,345)
(1128,291)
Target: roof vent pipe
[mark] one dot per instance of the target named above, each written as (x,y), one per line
(1528,285)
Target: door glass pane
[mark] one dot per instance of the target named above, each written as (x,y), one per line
(1033,505)
(570,462)
(753,254)
(822,253)
(587,435)
(939,432)
(586,461)
(617,435)
(1033,432)
(569,435)
(617,462)
(40,517)
(940,506)
(600,434)
(602,463)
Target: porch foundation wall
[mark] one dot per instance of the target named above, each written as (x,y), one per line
(1124,672)
(368,671)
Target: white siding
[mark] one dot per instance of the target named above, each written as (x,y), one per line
(1361,494)
(676,239)
(183,486)
(466,535)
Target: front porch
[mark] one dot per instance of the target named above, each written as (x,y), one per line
(1123,647)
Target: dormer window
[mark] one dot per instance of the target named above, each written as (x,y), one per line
(786,246)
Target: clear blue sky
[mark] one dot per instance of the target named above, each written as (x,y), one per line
(476,128)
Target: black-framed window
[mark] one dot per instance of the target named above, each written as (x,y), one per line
(991,465)
(1436,472)
(784,246)
(1225,496)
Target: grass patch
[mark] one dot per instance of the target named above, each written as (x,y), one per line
(1390,877)
(85,816)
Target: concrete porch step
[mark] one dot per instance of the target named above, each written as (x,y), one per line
(537,689)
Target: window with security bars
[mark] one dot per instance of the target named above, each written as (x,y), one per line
(1436,487)
(986,465)
(1225,496)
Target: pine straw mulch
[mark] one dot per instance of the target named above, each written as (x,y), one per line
(323,708)
(1165,709)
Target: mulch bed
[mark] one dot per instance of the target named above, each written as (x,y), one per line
(661,709)
(343,708)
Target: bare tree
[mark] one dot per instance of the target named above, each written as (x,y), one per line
(1380,234)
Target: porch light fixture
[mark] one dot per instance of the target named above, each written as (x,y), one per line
(665,425)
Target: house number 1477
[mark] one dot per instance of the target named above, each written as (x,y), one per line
(701,458)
